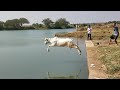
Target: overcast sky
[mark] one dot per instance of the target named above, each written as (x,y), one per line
(71,16)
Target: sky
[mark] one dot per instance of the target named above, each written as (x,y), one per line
(72,16)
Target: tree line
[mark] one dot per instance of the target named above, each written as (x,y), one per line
(61,23)
(18,24)
(47,23)
(13,24)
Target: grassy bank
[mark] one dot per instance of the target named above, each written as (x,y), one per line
(109,55)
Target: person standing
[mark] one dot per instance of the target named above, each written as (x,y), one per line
(89,30)
(115,34)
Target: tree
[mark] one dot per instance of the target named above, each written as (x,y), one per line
(47,22)
(23,21)
(8,24)
(61,23)
(37,26)
(1,24)
(14,23)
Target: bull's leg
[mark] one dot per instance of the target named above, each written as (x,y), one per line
(48,49)
(51,45)
(76,47)
(69,45)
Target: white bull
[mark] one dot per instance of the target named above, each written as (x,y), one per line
(61,42)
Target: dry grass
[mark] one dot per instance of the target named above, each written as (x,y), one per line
(110,57)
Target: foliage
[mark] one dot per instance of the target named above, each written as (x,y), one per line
(1,25)
(61,23)
(47,22)
(23,21)
(15,23)
(37,26)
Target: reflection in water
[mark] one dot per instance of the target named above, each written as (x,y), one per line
(24,55)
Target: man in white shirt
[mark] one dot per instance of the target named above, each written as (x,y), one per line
(89,30)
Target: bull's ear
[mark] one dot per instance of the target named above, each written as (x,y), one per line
(45,38)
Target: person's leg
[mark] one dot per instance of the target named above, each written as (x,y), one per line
(112,37)
(90,37)
(109,41)
(87,36)
(116,39)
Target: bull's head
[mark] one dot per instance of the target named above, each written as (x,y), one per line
(46,41)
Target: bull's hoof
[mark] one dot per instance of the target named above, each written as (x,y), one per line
(48,50)
(80,52)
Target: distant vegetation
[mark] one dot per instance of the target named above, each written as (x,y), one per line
(21,24)
(13,24)
(47,23)
(61,23)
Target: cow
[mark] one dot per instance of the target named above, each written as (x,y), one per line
(61,42)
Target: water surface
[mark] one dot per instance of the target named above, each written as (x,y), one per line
(23,55)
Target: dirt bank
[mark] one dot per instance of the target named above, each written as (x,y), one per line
(103,60)
(96,68)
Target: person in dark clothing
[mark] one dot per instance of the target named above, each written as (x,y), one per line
(115,34)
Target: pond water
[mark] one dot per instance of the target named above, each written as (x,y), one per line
(23,55)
